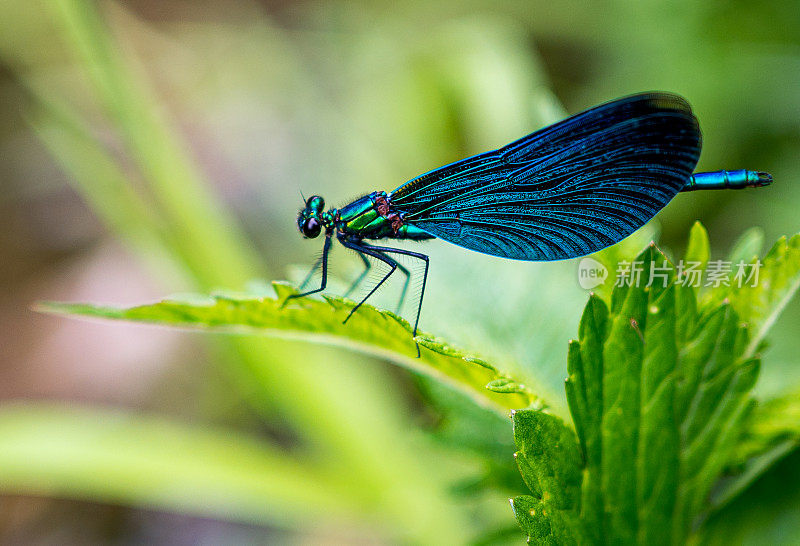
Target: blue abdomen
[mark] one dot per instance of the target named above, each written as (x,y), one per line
(733,180)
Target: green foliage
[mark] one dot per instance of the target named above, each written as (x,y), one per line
(214,247)
(766,513)
(473,84)
(549,460)
(771,432)
(659,390)
(771,424)
(115,456)
(699,249)
(370,330)
(779,280)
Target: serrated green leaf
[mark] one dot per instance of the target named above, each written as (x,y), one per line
(549,460)
(548,457)
(585,396)
(695,354)
(592,333)
(371,331)
(704,457)
(622,368)
(658,388)
(658,431)
(544,524)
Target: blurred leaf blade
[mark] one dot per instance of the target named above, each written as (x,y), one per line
(216,250)
(699,248)
(771,422)
(747,246)
(778,282)
(370,331)
(759,289)
(771,432)
(119,457)
(765,512)
(101,181)
(206,244)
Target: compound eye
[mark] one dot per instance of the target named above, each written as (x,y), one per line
(315,203)
(311,228)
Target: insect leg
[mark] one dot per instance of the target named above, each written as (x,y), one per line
(419,256)
(367,267)
(377,255)
(407,273)
(311,273)
(324,259)
(403,269)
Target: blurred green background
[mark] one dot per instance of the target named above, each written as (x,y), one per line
(151,148)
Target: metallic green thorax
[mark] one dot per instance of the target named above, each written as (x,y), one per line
(372,217)
(369,217)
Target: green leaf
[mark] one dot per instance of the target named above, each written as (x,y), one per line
(113,456)
(658,431)
(545,525)
(759,290)
(636,392)
(659,388)
(770,424)
(210,240)
(549,460)
(699,249)
(748,246)
(763,301)
(584,388)
(767,512)
(771,432)
(370,331)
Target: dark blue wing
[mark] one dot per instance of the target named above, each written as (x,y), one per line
(567,190)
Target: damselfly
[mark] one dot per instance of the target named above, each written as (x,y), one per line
(564,191)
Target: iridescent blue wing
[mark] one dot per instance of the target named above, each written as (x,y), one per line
(567,190)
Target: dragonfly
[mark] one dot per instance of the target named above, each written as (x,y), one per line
(562,192)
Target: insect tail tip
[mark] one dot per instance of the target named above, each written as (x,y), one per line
(764,179)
